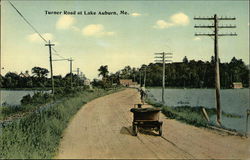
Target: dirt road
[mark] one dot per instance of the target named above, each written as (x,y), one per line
(102,129)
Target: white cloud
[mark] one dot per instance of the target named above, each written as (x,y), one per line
(65,22)
(160,24)
(197,39)
(96,30)
(37,39)
(178,19)
(135,14)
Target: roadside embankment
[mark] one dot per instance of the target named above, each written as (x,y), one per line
(195,116)
(37,135)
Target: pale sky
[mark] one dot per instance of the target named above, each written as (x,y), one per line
(117,40)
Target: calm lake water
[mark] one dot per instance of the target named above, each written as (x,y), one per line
(235,101)
(13,97)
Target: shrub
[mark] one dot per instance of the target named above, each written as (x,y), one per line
(59,91)
(26,99)
(9,109)
(37,99)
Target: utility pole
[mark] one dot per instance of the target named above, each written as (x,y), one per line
(70,60)
(163,60)
(140,78)
(71,76)
(81,75)
(144,85)
(51,67)
(78,71)
(215,26)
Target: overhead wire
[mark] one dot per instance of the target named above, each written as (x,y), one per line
(39,34)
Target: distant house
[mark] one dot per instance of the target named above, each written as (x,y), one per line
(127,82)
(237,85)
(24,75)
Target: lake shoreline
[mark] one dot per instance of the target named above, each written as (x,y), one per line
(193,116)
(234,104)
(24,89)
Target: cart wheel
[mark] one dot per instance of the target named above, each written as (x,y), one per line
(135,130)
(160,130)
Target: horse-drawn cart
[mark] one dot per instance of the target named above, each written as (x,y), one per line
(146,118)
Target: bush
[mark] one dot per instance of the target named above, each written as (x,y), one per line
(26,99)
(47,96)
(9,110)
(59,91)
(37,99)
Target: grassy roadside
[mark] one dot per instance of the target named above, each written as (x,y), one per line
(191,115)
(37,135)
(185,114)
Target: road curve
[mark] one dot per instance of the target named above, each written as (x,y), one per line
(102,129)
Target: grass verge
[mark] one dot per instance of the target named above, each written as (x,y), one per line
(191,115)
(37,135)
(185,114)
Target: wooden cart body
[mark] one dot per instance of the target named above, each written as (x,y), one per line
(146,118)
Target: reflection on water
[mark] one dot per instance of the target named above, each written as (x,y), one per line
(14,97)
(235,101)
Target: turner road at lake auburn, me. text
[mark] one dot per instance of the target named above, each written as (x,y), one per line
(87,13)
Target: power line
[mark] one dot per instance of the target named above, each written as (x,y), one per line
(28,22)
(58,55)
(39,34)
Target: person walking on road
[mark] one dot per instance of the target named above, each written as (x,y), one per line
(143,94)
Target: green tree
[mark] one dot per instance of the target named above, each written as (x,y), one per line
(103,71)
(11,80)
(29,83)
(40,72)
(185,60)
(1,81)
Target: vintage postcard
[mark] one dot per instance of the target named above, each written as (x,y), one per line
(124,79)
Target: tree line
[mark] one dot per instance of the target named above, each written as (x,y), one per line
(188,73)
(38,79)
(191,74)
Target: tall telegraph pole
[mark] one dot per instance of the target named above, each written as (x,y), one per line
(140,78)
(71,76)
(78,71)
(215,26)
(51,67)
(163,59)
(145,72)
